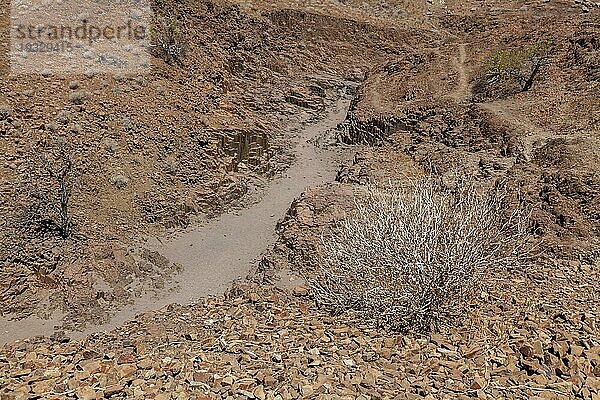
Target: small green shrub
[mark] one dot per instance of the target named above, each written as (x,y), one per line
(523,64)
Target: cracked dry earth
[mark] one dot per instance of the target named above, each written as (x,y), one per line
(422,105)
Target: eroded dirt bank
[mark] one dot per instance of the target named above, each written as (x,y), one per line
(213,255)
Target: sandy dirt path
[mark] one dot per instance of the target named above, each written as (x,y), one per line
(532,135)
(226,248)
(462,92)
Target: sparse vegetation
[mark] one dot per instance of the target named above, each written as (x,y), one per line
(411,257)
(217,147)
(521,64)
(5,111)
(52,210)
(167,39)
(119,181)
(79,97)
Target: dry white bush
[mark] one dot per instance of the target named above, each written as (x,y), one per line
(168,38)
(410,258)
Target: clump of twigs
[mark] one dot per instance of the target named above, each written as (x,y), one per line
(411,257)
(167,36)
(52,208)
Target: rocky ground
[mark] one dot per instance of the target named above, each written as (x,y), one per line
(425,105)
(259,343)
